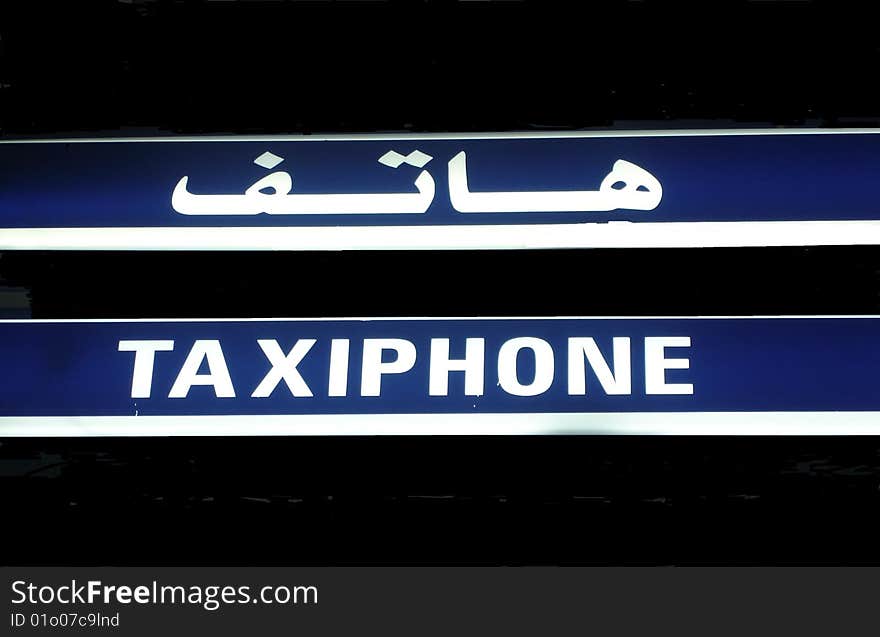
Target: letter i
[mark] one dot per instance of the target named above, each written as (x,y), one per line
(338,381)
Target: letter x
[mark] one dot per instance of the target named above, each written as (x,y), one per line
(284,368)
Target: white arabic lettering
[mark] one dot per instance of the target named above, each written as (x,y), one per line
(640,191)
(279,201)
(626,187)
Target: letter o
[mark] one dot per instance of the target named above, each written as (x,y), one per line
(544,366)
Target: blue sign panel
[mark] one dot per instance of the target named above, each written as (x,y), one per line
(615,189)
(557,375)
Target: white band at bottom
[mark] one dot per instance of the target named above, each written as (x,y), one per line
(615,234)
(760,423)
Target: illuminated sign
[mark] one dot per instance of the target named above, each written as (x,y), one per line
(718,375)
(555,190)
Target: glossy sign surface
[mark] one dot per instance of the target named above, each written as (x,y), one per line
(612,189)
(762,375)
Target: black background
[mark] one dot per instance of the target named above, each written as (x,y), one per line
(167,68)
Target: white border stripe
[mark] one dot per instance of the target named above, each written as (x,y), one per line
(325,319)
(615,234)
(828,423)
(678,132)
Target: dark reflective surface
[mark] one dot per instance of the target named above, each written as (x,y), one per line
(610,500)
